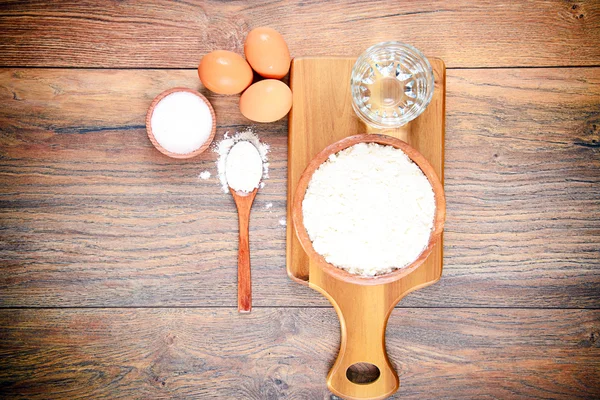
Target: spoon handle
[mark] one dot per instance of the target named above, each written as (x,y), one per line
(244,281)
(243,202)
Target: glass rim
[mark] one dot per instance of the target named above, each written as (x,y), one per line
(415,111)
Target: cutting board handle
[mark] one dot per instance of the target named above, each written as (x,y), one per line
(363,312)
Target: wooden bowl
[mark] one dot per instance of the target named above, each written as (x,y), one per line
(417,158)
(166,152)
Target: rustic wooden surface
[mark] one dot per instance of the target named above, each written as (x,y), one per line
(118,264)
(522,176)
(158,33)
(286,353)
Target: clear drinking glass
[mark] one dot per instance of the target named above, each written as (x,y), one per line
(392,84)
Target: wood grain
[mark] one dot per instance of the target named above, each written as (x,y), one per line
(177,34)
(315,132)
(364,304)
(192,353)
(318,82)
(243,202)
(92,215)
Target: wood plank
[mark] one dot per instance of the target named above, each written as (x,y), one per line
(100,217)
(522,183)
(286,353)
(160,33)
(92,215)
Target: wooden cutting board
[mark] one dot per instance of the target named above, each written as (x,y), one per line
(322,114)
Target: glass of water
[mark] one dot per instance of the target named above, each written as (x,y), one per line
(392,84)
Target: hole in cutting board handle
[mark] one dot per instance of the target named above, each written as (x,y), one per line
(362,373)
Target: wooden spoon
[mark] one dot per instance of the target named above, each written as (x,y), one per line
(243,202)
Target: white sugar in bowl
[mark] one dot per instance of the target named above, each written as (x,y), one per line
(181,123)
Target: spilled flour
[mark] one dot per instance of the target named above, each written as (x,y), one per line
(204,175)
(224,146)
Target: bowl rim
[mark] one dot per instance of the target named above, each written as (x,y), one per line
(157,145)
(315,163)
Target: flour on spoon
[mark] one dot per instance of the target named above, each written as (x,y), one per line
(243,167)
(246,155)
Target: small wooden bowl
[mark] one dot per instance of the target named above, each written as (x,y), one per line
(417,158)
(166,152)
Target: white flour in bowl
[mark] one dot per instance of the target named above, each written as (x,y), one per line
(369,209)
(243,167)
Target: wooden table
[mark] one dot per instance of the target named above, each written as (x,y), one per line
(118,265)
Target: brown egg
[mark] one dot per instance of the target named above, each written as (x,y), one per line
(266,101)
(224,72)
(267,52)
